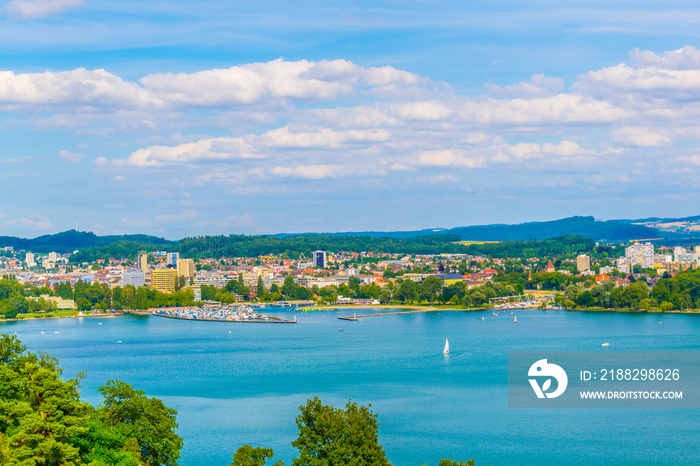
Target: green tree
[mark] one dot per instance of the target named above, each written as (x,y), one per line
(334,436)
(148,420)
(249,456)
(40,413)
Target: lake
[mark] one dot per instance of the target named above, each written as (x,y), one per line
(238,383)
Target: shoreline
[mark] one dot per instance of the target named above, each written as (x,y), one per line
(403,309)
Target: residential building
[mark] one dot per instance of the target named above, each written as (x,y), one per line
(185,267)
(686,257)
(583,263)
(163,280)
(172,258)
(29,259)
(142,262)
(53,257)
(134,277)
(640,254)
(319,259)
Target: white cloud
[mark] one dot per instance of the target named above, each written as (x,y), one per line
(187,214)
(633,136)
(449,158)
(309,172)
(36,223)
(71,157)
(321,138)
(423,111)
(538,86)
(97,88)
(691,159)
(686,58)
(220,149)
(119,178)
(33,9)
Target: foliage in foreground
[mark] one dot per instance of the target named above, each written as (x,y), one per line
(331,437)
(44,422)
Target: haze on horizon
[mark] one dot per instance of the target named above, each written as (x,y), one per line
(178,119)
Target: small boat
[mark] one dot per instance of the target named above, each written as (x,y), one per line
(483,318)
(100,323)
(605,344)
(341,330)
(42,331)
(515,321)
(447,347)
(119,341)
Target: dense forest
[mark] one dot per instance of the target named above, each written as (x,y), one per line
(295,246)
(69,241)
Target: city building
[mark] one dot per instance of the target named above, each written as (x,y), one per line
(29,259)
(172,258)
(142,262)
(642,254)
(163,280)
(583,263)
(319,259)
(185,267)
(135,277)
(53,257)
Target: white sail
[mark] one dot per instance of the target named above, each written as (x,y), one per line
(447,347)
(516,319)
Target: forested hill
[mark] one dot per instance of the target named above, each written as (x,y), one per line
(611,230)
(69,241)
(295,246)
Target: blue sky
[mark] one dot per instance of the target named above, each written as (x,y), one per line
(191,118)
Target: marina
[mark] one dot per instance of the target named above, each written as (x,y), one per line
(219,314)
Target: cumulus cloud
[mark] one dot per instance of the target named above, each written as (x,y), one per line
(321,138)
(209,149)
(36,223)
(449,157)
(71,157)
(309,172)
(633,136)
(187,214)
(672,75)
(691,159)
(33,9)
(538,86)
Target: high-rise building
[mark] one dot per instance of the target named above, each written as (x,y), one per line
(172,258)
(29,259)
(135,277)
(53,257)
(642,254)
(319,259)
(185,267)
(583,263)
(142,262)
(163,280)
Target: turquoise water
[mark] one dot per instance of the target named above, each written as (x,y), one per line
(246,386)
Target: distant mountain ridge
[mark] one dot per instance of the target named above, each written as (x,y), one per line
(610,230)
(69,241)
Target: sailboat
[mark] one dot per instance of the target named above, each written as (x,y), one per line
(516,320)
(447,347)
